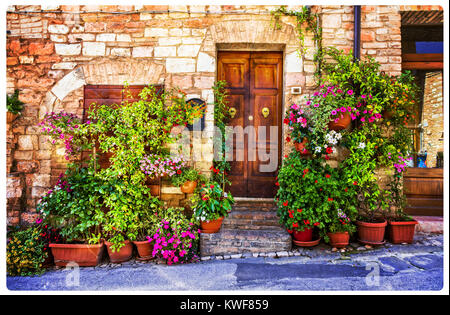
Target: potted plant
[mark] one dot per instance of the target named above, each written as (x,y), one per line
(187,178)
(147,223)
(302,198)
(176,237)
(155,166)
(74,208)
(339,229)
(14,106)
(297,120)
(125,202)
(211,205)
(401,226)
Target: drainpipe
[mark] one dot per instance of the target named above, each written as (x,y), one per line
(357,32)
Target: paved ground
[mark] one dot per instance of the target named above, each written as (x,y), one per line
(418,266)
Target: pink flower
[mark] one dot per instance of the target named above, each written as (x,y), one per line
(350,92)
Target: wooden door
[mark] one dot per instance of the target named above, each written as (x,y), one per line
(254,86)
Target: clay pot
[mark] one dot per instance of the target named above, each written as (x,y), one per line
(123,254)
(343,122)
(82,254)
(10,117)
(303,236)
(144,249)
(339,239)
(212,226)
(387,114)
(155,190)
(371,233)
(301,147)
(189,187)
(401,231)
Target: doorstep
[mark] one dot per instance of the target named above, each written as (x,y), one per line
(429,224)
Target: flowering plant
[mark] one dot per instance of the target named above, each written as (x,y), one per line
(176,237)
(340,222)
(210,202)
(73,206)
(68,129)
(156,166)
(297,121)
(184,175)
(304,197)
(25,252)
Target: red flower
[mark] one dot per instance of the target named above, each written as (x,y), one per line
(330,199)
(355,183)
(306,222)
(285,203)
(305,171)
(212,186)
(178,172)
(288,139)
(299,210)
(294,225)
(286,121)
(277,184)
(327,175)
(315,181)
(289,231)
(327,157)
(329,150)
(346,189)
(316,224)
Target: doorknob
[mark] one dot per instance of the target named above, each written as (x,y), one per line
(265,112)
(250,117)
(232,112)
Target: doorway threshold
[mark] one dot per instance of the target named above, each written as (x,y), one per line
(252,199)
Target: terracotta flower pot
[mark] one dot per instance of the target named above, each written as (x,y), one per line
(212,226)
(82,254)
(303,236)
(155,190)
(343,122)
(123,254)
(144,249)
(10,117)
(189,187)
(301,147)
(401,231)
(339,239)
(371,233)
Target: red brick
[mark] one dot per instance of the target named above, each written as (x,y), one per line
(41,48)
(11,61)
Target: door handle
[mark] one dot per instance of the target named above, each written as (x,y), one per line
(250,117)
(265,112)
(232,112)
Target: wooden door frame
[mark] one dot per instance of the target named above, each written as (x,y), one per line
(281,76)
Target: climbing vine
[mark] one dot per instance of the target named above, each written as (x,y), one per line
(305,16)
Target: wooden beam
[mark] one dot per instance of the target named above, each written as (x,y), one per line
(422,57)
(423,65)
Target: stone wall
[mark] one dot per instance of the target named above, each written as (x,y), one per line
(52,54)
(433,116)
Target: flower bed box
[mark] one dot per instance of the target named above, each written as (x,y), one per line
(81,254)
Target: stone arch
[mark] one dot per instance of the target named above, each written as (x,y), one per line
(112,71)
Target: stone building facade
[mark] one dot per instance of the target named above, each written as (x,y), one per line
(54,51)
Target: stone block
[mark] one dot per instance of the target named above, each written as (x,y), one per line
(168,51)
(143,51)
(205,63)
(58,29)
(180,65)
(188,50)
(94,49)
(68,49)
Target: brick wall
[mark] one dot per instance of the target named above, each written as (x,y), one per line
(433,116)
(52,54)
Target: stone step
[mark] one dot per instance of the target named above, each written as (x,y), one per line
(236,241)
(429,224)
(251,220)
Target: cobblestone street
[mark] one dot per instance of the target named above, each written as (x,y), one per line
(418,266)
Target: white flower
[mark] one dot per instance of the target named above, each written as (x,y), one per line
(318,149)
(361,145)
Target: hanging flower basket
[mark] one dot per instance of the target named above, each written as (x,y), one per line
(189,187)
(340,122)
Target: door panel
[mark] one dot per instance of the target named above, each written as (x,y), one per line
(255,91)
